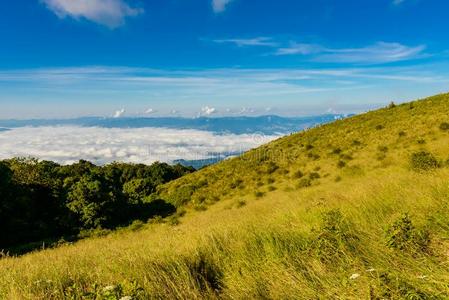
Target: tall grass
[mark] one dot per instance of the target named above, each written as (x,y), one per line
(332,239)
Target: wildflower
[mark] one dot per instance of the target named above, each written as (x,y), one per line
(354,276)
(109,288)
(371,270)
(422,276)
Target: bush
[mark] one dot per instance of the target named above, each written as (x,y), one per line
(335,237)
(402,133)
(403,235)
(341,164)
(444,126)
(304,182)
(423,161)
(379,127)
(298,174)
(314,175)
(259,194)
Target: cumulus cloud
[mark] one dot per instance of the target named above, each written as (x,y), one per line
(119,113)
(219,6)
(68,144)
(207,110)
(110,13)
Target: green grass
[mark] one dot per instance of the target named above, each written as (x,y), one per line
(372,227)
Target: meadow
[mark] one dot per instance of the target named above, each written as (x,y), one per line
(356,209)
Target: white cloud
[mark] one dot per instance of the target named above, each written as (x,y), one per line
(219,6)
(119,113)
(67,144)
(380,52)
(299,48)
(150,111)
(207,110)
(257,41)
(110,13)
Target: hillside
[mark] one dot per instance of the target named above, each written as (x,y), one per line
(355,209)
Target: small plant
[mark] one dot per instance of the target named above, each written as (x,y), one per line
(391,105)
(314,175)
(309,147)
(298,174)
(304,182)
(335,237)
(341,164)
(259,194)
(271,188)
(336,151)
(421,141)
(338,179)
(379,127)
(423,161)
(240,203)
(403,235)
(356,143)
(444,126)
(402,133)
(271,180)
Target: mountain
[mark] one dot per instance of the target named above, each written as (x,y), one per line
(354,209)
(268,125)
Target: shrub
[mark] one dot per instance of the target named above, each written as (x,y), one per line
(341,164)
(298,174)
(391,105)
(379,127)
(356,143)
(336,151)
(335,237)
(444,126)
(403,235)
(402,133)
(314,175)
(271,188)
(421,141)
(304,182)
(259,194)
(423,161)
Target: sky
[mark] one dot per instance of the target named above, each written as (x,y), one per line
(115,58)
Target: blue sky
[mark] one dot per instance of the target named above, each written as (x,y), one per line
(68,58)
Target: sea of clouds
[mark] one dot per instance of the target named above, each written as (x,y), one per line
(68,144)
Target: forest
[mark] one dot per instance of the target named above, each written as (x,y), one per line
(44,201)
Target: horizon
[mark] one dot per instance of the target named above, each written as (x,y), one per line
(217,57)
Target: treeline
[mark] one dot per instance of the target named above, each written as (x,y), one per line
(42,200)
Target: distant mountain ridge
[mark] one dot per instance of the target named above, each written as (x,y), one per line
(269,125)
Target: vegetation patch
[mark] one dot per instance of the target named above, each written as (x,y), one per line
(404,236)
(423,161)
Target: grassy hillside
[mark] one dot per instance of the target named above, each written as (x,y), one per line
(356,209)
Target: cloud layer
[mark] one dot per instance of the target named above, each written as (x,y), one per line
(110,13)
(67,144)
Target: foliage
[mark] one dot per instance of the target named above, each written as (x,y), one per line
(404,236)
(41,200)
(423,161)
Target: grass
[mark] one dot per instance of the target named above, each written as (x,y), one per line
(381,231)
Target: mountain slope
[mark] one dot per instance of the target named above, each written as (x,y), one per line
(336,151)
(356,209)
